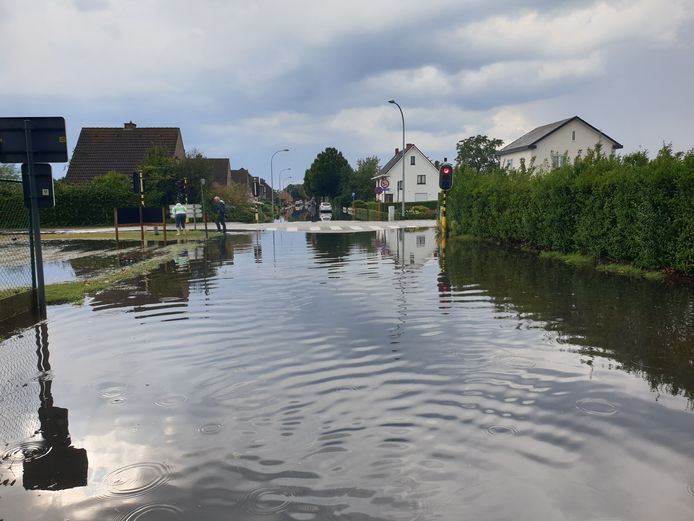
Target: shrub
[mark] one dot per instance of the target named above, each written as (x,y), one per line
(625,209)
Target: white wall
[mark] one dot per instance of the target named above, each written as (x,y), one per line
(562,141)
(413,191)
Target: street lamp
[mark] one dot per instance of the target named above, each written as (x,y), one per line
(283,170)
(403,154)
(272,182)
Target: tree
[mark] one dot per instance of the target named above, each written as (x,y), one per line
(8,171)
(325,176)
(361,181)
(478,152)
(296,191)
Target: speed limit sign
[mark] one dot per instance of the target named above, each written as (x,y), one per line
(385,183)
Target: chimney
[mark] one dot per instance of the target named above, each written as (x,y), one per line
(397,151)
(436,164)
(409,145)
(129,126)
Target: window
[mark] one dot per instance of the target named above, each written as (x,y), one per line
(573,135)
(412,160)
(509,163)
(421,241)
(558,160)
(421,179)
(399,185)
(389,198)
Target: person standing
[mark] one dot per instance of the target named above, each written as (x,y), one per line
(180,212)
(221,218)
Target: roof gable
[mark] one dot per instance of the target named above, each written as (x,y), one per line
(394,160)
(529,140)
(101,150)
(219,170)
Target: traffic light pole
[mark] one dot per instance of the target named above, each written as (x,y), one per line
(35,224)
(142,205)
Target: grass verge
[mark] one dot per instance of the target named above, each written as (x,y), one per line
(75,291)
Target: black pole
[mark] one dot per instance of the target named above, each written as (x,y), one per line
(35,223)
(142,205)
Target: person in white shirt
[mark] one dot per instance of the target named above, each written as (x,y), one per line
(180,212)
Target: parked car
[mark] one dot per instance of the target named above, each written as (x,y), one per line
(325,207)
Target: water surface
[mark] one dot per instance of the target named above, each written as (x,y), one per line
(354,376)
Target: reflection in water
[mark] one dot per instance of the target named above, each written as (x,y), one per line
(647,328)
(49,460)
(355,377)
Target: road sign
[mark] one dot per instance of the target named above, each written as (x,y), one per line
(378,190)
(385,183)
(354,195)
(49,144)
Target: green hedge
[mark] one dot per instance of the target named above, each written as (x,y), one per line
(624,209)
(92,204)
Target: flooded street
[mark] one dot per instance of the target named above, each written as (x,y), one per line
(354,376)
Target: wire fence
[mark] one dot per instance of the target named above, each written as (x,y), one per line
(16,274)
(19,392)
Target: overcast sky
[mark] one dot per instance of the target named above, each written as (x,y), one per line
(245,78)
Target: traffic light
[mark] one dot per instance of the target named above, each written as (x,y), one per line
(445,176)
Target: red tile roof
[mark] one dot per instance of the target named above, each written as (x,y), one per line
(101,150)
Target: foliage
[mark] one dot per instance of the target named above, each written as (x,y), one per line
(478,152)
(361,181)
(296,191)
(325,176)
(9,171)
(623,209)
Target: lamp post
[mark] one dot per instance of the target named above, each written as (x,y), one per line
(272,183)
(283,170)
(403,154)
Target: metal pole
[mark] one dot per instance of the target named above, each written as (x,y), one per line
(272,182)
(403,154)
(142,205)
(35,222)
(202,197)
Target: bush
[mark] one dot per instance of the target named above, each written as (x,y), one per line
(625,209)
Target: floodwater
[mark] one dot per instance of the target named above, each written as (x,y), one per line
(279,376)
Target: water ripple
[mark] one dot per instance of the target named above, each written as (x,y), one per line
(136,479)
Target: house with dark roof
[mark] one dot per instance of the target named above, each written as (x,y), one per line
(242,176)
(103,150)
(219,171)
(421,177)
(552,145)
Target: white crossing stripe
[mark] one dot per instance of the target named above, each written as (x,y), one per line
(393,227)
(356,227)
(335,228)
(292,229)
(315,228)
(271,229)
(377,228)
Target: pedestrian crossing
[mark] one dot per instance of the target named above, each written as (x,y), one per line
(331,226)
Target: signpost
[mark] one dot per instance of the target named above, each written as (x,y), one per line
(34,141)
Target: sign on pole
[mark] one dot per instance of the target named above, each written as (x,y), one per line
(48,140)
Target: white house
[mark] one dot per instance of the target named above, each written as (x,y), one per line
(421,177)
(549,146)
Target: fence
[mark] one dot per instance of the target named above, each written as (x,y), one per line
(16,262)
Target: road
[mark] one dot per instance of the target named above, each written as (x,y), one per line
(296,226)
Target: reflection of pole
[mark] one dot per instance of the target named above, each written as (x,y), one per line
(35,222)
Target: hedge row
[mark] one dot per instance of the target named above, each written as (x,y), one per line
(92,204)
(628,209)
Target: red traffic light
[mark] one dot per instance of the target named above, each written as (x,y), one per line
(445,176)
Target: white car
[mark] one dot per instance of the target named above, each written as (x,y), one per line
(325,207)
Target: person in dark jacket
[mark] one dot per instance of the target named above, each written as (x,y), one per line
(221,219)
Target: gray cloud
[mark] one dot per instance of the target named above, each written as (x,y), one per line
(243,79)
